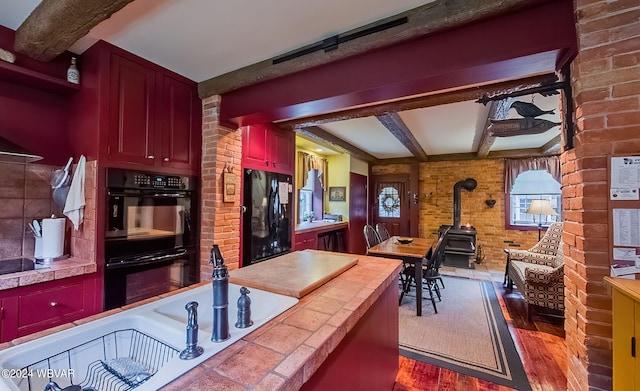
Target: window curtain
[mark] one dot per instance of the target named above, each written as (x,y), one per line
(513,167)
(307,163)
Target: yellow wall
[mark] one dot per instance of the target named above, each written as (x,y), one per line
(359,167)
(339,168)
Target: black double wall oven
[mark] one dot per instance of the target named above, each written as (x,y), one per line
(150,237)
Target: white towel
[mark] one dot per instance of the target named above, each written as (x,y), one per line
(74,206)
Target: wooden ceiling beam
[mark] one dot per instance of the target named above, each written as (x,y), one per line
(462,95)
(487,139)
(322,137)
(54,26)
(427,19)
(552,145)
(400,130)
(497,110)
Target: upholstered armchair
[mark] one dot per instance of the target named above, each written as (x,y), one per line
(547,245)
(539,276)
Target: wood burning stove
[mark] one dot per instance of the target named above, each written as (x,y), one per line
(460,242)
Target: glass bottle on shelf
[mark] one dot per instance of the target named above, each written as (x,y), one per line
(73,75)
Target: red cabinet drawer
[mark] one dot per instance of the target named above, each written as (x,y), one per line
(306,241)
(50,305)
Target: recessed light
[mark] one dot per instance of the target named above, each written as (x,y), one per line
(318,150)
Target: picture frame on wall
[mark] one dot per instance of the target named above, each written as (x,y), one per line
(338,193)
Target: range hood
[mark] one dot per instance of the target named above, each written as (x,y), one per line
(12,153)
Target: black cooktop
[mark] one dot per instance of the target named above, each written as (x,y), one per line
(16,265)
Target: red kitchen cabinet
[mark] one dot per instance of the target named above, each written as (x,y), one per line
(34,308)
(283,151)
(131,113)
(180,124)
(254,147)
(306,241)
(264,148)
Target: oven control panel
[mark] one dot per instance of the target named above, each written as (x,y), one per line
(142,180)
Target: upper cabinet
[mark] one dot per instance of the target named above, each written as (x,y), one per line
(145,116)
(132,111)
(180,124)
(268,149)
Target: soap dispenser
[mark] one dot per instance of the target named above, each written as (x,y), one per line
(244,309)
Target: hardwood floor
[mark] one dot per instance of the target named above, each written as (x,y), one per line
(540,343)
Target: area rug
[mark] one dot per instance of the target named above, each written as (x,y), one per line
(468,335)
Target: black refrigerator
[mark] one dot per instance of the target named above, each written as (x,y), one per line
(266,218)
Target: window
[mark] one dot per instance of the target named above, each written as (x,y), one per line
(306,203)
(389,203)
(534,185)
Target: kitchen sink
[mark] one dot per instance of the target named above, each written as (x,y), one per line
(138,348)
(264,306)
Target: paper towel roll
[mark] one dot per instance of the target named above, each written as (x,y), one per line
(52,237)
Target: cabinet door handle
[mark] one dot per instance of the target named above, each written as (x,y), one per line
(53,304)
(166,159)
(267,162)
(274,164)
(633,346)
(151,157)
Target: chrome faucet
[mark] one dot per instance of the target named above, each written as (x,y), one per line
(192,350)
(220,281)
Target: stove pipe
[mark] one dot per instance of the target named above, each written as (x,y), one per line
(468,184)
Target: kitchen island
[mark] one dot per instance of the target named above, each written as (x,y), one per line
(343,334)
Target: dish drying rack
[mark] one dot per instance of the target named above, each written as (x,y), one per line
(118,361)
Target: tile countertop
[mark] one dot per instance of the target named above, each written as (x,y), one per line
(284,353)
(56,270)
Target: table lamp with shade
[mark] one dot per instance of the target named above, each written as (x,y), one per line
(541,207)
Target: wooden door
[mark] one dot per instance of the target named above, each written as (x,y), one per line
(132,112)
(357,213)
(390,204)
(179,124)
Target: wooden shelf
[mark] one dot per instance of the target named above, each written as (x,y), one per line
(16,74)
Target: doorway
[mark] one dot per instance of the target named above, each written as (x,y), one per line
(390,205)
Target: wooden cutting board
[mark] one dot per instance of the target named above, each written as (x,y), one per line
(294,274)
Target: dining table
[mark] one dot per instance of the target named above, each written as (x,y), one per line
(412,252)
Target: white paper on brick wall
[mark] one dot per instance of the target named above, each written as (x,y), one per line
(626,227)
(625,172)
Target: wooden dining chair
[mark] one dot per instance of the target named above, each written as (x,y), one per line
(382,231)
(371,236)
(430,273)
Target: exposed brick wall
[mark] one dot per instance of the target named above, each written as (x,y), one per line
(606,88)
(220,221)
(438,178)
(436,203)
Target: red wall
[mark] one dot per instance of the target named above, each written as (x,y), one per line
(34,119)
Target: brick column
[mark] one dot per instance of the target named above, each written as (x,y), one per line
(606,88)
(220,221)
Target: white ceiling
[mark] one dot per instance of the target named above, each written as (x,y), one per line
(201,39)
(446,129)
